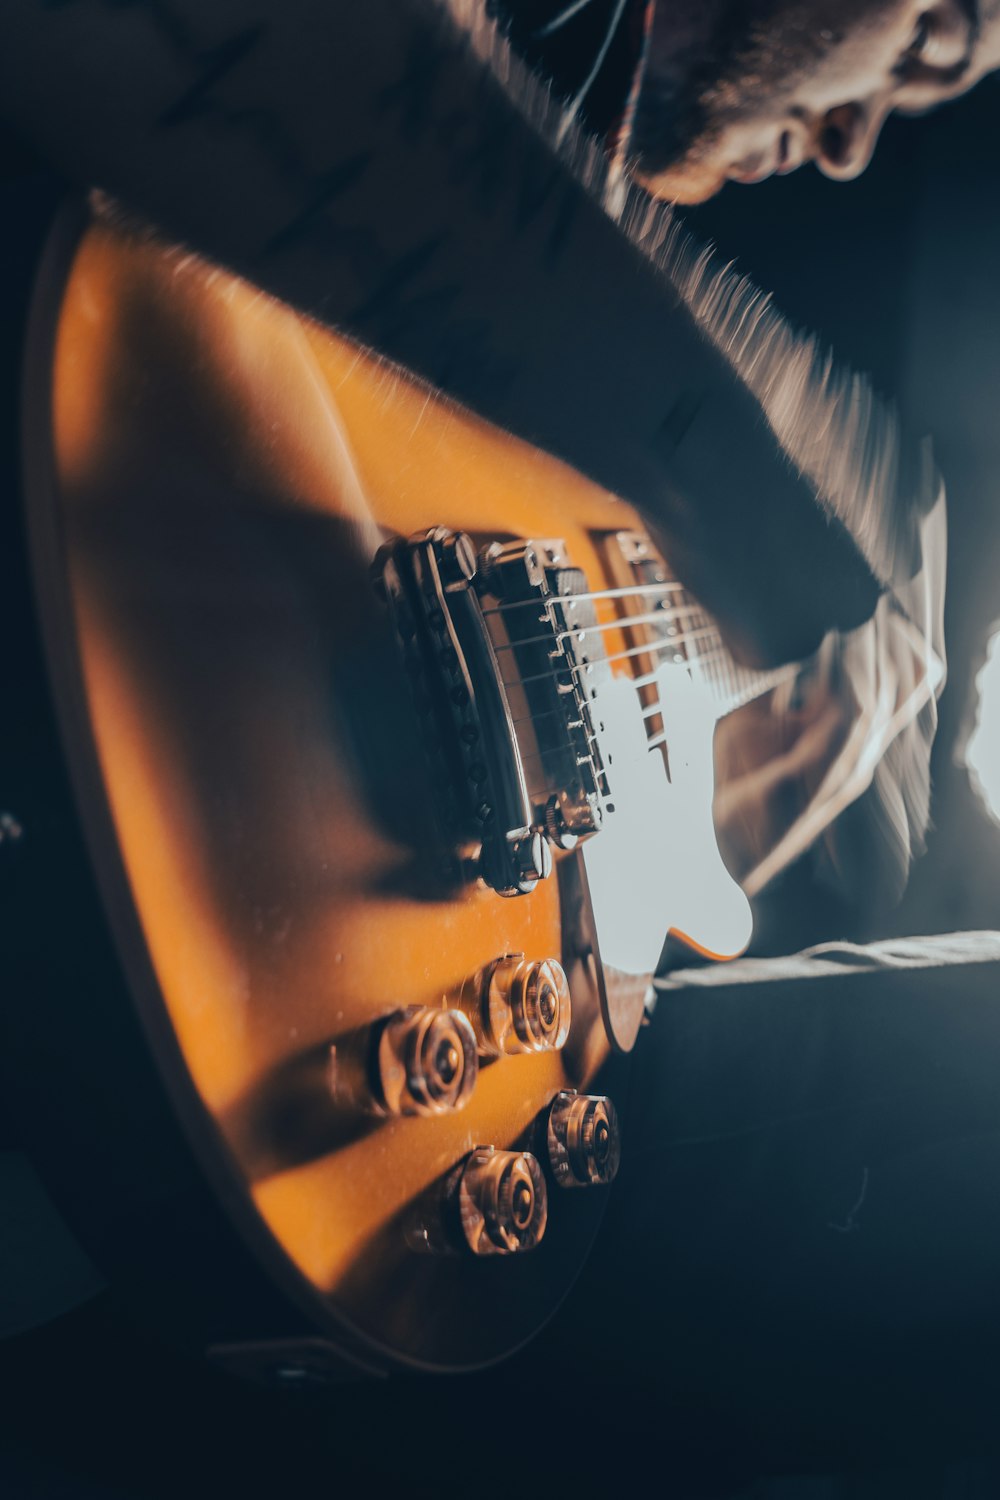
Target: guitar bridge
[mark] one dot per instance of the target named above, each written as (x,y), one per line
(505,657)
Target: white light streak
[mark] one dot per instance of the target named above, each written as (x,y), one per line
(982,753)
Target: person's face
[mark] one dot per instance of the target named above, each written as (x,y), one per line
(737,90)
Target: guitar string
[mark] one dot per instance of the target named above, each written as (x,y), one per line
(653,742)
(674,641)
(695,612)
(720,654)
(619,593)
(732,698)
(649,648)
(623,622)
(721,676)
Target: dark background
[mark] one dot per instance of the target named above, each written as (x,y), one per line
(661,1372)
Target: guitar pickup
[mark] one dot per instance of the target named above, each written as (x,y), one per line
(505,665)
(552,659)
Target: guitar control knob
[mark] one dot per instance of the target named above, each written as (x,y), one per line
(516,1006)
(419,1061)
(583,1140)
(502,1202)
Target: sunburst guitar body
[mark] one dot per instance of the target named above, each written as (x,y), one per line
(392,738)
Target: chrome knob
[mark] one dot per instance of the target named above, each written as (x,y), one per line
(502,1202)
(583,1140)
(517,1006)
(426,1062)
(419,1061)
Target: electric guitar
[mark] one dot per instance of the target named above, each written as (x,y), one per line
(391,741)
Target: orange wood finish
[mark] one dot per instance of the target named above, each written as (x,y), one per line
(225,470)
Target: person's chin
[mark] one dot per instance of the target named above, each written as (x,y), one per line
(687,184)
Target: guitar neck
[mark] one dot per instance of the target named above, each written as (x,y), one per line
(672,622)
(729,684)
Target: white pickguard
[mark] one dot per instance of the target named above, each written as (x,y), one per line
(655,867)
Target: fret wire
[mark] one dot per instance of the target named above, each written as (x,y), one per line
(654,708)
(719,662)
(673,643)
(713,663)
(646,679)
(766,682)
